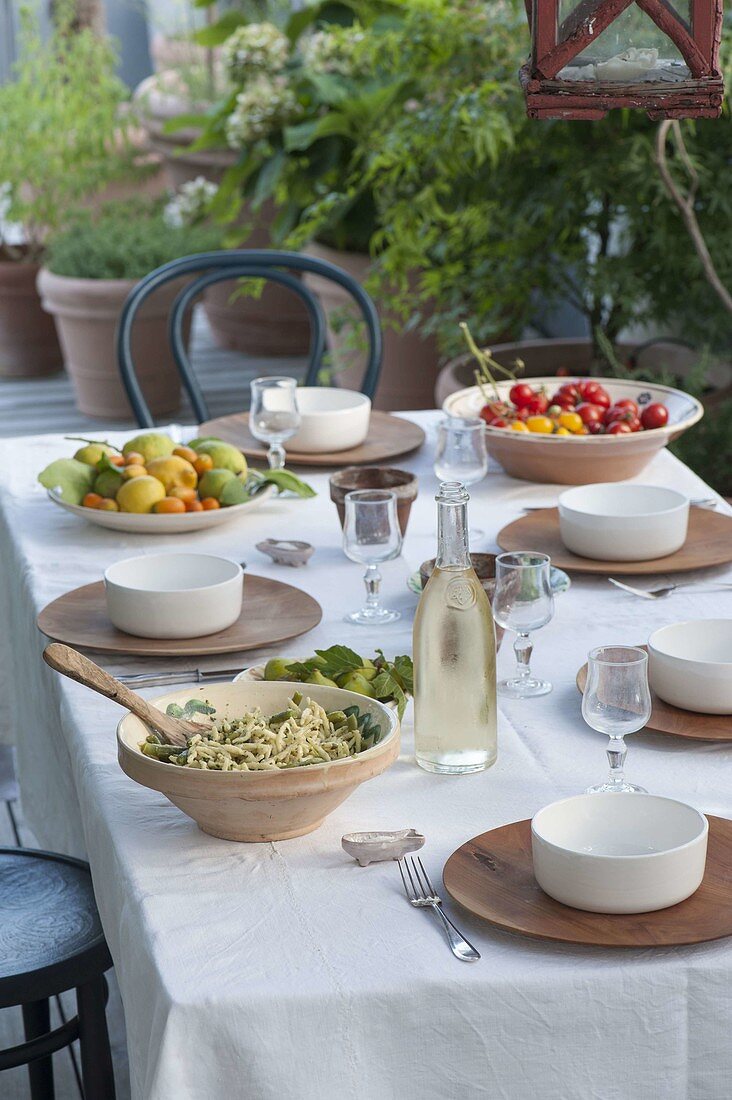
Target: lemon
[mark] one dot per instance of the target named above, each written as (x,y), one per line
(174,472)
(225,457)
(140,494)
(150,445)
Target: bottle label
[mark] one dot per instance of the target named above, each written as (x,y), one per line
(460,594)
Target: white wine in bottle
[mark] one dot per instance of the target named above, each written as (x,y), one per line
(454,653)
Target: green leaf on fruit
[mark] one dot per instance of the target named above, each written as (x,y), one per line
(285,481)
(387,686)
(72,478)
(338,659)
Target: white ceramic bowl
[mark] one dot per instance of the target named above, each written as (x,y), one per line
(619,853)
(150,523)
(623,522)
(174,595)
(331,420)
(260,805)
(581,459)
(690,665)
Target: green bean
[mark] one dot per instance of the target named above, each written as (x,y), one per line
(352,723)
(337,717)
(282,716)
(297,698)
(159,752)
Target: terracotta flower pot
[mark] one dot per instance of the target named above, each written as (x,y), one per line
(86,312)
(28,342)
(274,324)
(411,362)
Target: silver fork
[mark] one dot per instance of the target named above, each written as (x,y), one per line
(666,589)
(422,895)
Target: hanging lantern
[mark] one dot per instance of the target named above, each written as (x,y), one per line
(592,55)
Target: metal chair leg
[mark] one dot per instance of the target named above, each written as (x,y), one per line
(96,1056)
(36,1022)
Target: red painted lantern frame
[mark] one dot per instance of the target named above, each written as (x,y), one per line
(554,46)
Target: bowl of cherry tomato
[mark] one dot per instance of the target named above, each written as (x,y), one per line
(576,431)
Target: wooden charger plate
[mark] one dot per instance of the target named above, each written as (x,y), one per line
(492,876)
(272,612)
(681,723)
(709,542)
(389,436)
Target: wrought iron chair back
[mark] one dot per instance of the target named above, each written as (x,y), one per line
(217,267)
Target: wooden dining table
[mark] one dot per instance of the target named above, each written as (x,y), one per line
(286,970)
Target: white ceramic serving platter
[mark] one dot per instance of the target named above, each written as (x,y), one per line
(152,524)
(683,409)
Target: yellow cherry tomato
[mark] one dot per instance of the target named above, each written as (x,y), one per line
(518,426)
(562,431)
(571,421)
(542,424)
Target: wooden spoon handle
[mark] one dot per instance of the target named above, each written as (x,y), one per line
(77,667)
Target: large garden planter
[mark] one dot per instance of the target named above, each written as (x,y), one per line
(411,362)
(86,312)
(275,323)
(574,358)
(29,345)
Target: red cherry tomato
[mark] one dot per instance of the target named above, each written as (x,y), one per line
(626,403)
(521,414)
(654,416)
(595,427)
(498,422)
(618,427)
(563,400)
(617,412)
(537,406)
(589,413)
(521,394)
(572,390)
(492,410)
(592,391)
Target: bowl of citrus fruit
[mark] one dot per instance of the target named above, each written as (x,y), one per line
(151,484)
(576,431)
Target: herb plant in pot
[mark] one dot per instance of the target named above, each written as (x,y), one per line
(91,267)
(59,144)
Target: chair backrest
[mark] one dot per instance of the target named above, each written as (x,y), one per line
(216,267)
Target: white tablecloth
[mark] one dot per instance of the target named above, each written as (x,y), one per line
(284,970)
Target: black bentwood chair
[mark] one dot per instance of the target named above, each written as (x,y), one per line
(51,940)
(217,267)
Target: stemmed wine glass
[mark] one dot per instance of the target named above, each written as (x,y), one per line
(616,701)
(273,415)
(523,601)
(371,534)
(461,453)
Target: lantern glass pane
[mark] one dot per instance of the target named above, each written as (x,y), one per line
(631,50)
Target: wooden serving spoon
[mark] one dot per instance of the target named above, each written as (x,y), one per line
(69,662)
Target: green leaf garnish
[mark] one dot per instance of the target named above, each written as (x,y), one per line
(72,478)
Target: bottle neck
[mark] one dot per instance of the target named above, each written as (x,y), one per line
(452,526)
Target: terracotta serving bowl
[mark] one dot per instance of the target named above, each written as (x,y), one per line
(400,482)
(581,459)
(259,806)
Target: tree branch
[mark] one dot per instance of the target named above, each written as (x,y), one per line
(685,203)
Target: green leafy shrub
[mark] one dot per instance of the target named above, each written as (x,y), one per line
(125,240)
(62,133)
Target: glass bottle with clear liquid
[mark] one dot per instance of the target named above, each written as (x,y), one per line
(455,711)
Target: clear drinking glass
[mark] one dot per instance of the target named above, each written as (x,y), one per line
(522,602)
(273,415)
(371,534)
(461,454)
(616,701)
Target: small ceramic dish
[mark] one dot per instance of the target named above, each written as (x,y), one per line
(619,522)
(375,847)
(485,568)
(331,419)
(174,595)
(690,665)
(619,853)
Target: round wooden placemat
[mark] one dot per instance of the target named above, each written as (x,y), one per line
(681,723)
(709,542)
(492,876)
(272,612)
(389,436)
